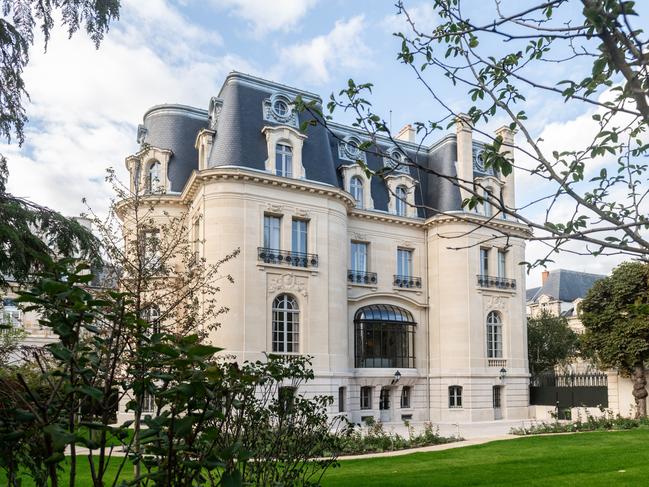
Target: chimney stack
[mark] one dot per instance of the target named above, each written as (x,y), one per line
(544,277)
(407,134)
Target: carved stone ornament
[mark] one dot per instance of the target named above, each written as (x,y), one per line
(358,236)
(273,208)
(301,213)
(288,282)
(141,134)
(495,302)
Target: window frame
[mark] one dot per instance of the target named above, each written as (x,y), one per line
(154,178)
(384,399)
(484,261)
(270,237)
(284,159)
(502,263)
(365,256)
(357,190)
(281,319)
(405,401)
(455,397)
(299,235)
(148,402)
(494,335)
(366,397)
(405,257)
(342,392)
(401,200)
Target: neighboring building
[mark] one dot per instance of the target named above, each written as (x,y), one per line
(353,272)
(561,294)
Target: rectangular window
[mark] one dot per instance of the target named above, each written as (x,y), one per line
(151,248)
(286,396)
(484,262)
(496,396)
(384,399)
(404,262)
(487,205)
(272,225)
(359,256)
(502,270)
(299,235)
(148,402)
(341,399)
(196,238)
(405,397)
(366,397)
(455,397)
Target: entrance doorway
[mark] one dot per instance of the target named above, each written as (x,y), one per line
(497,402)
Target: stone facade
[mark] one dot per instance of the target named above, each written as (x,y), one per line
(238,193)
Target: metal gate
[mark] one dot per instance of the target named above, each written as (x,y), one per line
(567,391)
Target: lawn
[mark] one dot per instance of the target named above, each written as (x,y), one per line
(583,459)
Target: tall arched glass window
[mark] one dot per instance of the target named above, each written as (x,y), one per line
(154,177)
(151,315)
(384,337)
(286,324)
(284,160)
(401,196)
(356,189)
(494,335)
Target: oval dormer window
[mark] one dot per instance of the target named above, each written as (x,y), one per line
(280,107)
(352,148)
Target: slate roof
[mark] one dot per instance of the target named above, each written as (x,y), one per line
(239,141)
(564,285)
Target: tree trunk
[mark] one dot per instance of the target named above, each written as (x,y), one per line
(640,390)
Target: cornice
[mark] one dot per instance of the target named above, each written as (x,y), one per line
(387,217)
(523,230)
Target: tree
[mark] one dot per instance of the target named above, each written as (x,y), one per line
(31,234)
(497,59)
(550,342)
(615,314)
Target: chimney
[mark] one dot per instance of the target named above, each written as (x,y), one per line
(407,134)
(544,277)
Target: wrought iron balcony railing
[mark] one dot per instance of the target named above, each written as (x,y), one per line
(361,277)
(287,257)
(409,282)
(497,282)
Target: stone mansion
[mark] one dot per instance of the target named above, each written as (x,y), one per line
(355,272)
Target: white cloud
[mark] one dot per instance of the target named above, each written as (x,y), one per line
(422,15)
(266,15)
(343,47)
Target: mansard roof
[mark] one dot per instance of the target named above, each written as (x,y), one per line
(564,285)
(238,120)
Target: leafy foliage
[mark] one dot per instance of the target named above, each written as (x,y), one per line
(615,314)
(550,342)
(30,234)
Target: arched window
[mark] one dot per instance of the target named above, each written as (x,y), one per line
(154,180)
(494,335)
(284,160)
(356,189)
(286,324)
(384,337)
(401,194)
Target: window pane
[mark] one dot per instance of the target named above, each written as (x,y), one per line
(501,263)
(359,256)
(284,160)
(299,236)
(272,232)
(484,262)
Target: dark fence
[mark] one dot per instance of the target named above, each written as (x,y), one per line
(569,390)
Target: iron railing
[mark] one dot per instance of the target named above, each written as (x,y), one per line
(287,257)
(408,282)
(361,277)
(497,282)
(586,379)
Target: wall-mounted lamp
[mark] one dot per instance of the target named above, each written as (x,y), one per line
(397,377)
(503,373)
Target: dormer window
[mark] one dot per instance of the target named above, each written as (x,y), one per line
(401,194)
(395,161)
(284,160)
(280,107)
(356,190)
(153,183)
(349,149)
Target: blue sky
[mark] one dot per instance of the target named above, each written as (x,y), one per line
(86,104)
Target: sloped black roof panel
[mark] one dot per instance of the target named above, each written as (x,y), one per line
(175,127)
(565,285)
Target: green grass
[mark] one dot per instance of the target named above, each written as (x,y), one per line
(583,459)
